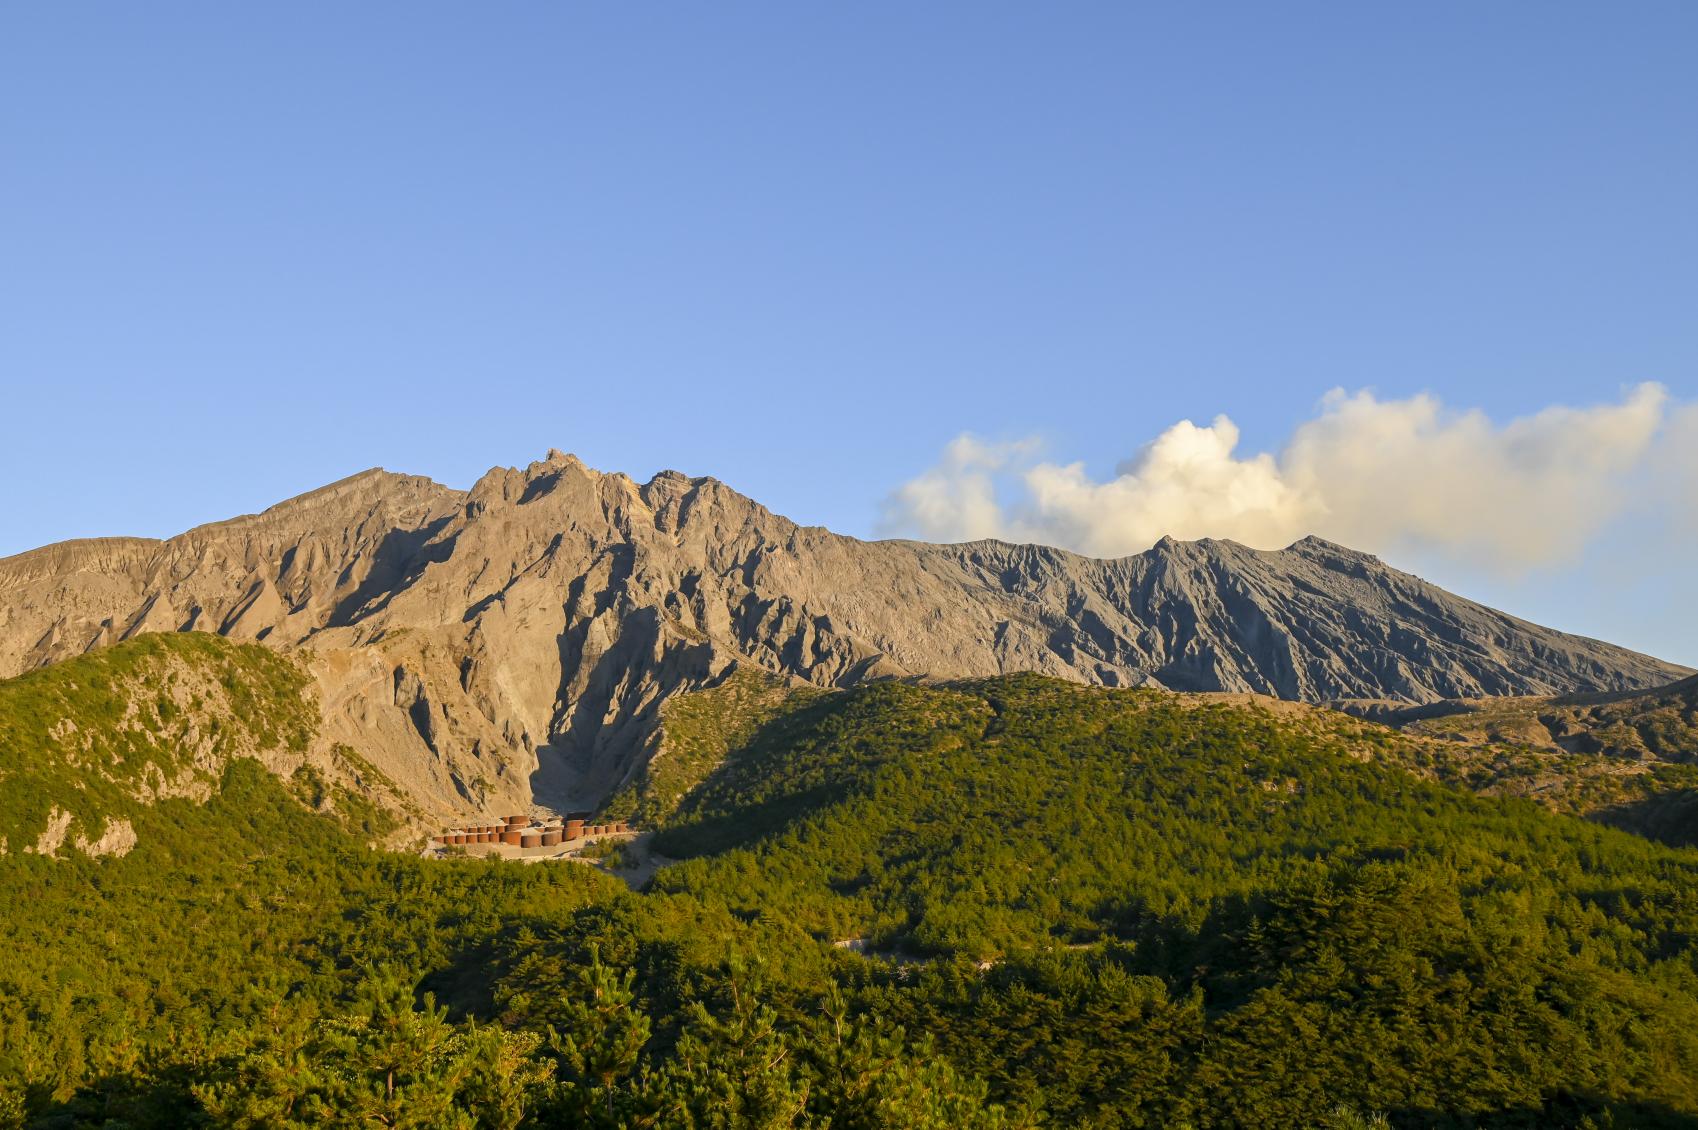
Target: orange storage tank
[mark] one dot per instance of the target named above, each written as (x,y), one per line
(511,836)
(550,837)
(530,839)
(574,829)
(511,820)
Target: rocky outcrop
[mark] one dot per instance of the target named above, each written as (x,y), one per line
(517,639)
(1655,725)
(118,838)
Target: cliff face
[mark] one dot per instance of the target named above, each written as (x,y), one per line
(517,639)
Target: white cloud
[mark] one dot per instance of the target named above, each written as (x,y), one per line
(956,500)
(1186,483)
(1677,466)
(1387,476)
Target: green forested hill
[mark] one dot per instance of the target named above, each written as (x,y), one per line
(1289,921)
(127,977)
(245,957)
(1010,902)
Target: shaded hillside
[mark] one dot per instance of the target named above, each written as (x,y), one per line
(518,640)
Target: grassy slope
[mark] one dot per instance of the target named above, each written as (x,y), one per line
(104,736)
(697,732)
(101,735)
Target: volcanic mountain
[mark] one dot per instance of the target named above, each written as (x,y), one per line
(516,641)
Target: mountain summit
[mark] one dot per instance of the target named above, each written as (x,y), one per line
(518,639)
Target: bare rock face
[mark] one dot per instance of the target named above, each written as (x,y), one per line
(514,641)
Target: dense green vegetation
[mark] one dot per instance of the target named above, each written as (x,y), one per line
(251,964)
(1251,918)
(1007,903)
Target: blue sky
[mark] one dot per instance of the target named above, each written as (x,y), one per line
(245,250)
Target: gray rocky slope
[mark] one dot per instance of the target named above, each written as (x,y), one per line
(514,641)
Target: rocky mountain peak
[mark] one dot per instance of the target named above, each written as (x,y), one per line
(518,639)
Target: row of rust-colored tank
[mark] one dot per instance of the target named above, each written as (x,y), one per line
(576,828)
(517,832)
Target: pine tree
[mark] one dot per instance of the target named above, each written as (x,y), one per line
(599,1045)
(734,1070)
(387,1063)
(871,1078)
